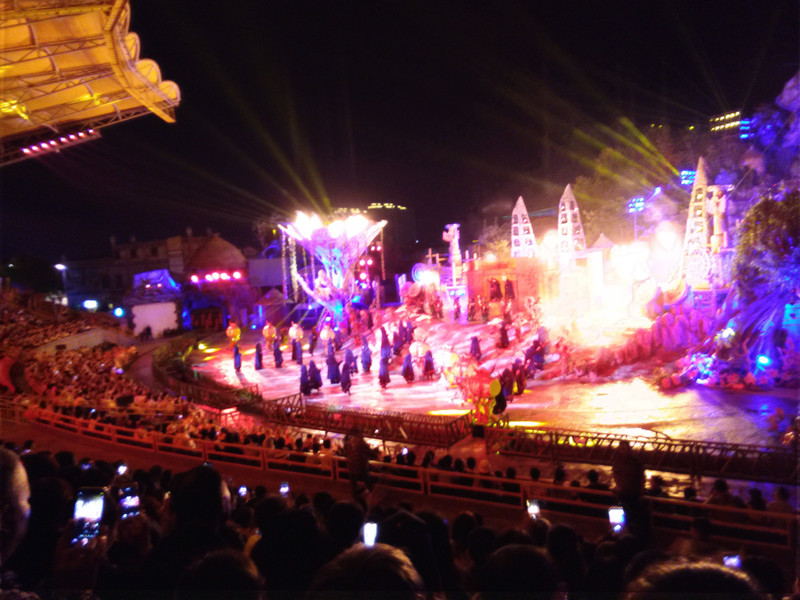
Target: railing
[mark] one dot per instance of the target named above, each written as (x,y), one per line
(405,428)
(734,525)
(697,458)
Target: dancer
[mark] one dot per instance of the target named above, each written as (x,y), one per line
(346,382)
(305,382)
(475,348)
(428,368)
(259,362)
(334,376)
(312,342)
(366,357)
(408,369)
(276,352)
(502,341)
(350,360)
(237,358)
(314,375)
(383,372)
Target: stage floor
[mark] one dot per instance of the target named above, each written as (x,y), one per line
(627,406)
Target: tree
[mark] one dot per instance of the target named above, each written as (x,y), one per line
(766,274)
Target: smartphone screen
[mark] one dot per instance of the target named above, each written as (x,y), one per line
(284,488)
(616,517)
(87,515)
(243,490)
(370,533)
(129,502)
(533,508)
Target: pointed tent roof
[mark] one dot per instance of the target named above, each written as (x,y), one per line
(603,242)
(568,194)
(520,207)
(216,253)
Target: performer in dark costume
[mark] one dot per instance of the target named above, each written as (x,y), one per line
(345,382)
(276,352)
(314,375)
(259,362)
(428,369)
(305,382)
(237,358)
(475,348)
(383,372)
(350,360)
(366,358)
(408,369)
(334,376)
(503,342)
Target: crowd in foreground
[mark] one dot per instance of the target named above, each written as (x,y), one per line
(196,535)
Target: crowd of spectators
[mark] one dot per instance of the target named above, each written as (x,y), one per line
(22,328)
(198,535)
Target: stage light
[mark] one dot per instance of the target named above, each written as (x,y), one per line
(90,304)
(764,361)
(26,150)
(335,229)
(119,312)
(224,276)
(208,277)
(362,262)
(369,261)
(215,276)
(362,275)
(237,275)
(195,279)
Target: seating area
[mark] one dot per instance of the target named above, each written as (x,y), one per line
(455,527)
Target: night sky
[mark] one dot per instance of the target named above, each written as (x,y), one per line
(444,106)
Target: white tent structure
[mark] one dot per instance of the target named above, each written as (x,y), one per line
(69,67)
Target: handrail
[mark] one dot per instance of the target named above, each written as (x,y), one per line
(728,523)
(715,459)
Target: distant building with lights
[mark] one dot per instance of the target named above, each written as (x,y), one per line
(107,279)
(731,123)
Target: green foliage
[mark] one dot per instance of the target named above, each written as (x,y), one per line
(768,252)
(496,239)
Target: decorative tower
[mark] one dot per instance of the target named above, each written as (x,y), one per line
(571,238)
(696,260)
(523,241)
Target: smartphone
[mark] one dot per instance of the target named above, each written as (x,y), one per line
(370,533)
(284,489)
(533,508)
(404,451)
(122,469)
(733,561)
(243,490)
(129,501)
(616,517)
(89,506)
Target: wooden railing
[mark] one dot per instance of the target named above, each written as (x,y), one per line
(733,525)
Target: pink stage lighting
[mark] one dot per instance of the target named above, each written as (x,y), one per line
(237,275)
(195,278)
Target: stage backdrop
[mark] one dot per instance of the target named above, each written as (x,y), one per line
(158,316)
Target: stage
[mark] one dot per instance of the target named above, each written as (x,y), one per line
(626,405)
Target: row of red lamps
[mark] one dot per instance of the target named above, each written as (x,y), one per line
(217,276)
